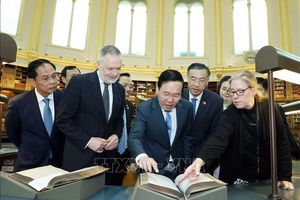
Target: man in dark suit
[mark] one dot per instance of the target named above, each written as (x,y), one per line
(208,106)
(91,114)
(38,144)
(67,73)
(160,139)
(123,158)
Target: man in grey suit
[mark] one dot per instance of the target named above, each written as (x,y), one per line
(160,139)
(91,114)
(25,121)
(207,105)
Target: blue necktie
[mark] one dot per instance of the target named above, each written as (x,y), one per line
(122,142)
(106,100)
(194,106)
(47,116)
(169,123)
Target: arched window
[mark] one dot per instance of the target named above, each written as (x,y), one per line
(250,25)
(131,27)
(70,23)
(189,30)
(10,14)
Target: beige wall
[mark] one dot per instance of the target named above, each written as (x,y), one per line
(34,37)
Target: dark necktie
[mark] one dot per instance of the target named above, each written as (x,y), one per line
(47,116)
(169,123)
(122,142)
(106,100)
(194,106)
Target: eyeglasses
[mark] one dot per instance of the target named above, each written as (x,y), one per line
(46,79)
(130,86)
(194,80)
(238,92)
(167,95)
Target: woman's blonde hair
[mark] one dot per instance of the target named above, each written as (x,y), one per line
(249,78)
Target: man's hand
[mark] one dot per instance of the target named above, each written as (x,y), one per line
(147,164)
(113,142)
(97,144)
(286,185)
(193,171)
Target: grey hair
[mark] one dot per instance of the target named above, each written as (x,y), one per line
(108,49)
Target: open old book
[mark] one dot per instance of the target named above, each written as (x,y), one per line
(47,177)
(165,185)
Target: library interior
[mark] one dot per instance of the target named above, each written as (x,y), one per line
(154,36)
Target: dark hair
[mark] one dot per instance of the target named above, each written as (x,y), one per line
(263,82)
(33,65)
(64,71)
(198,66)
(123,74)
(223,79)
(169,75)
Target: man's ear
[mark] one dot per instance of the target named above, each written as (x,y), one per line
(32,82)
(63,79)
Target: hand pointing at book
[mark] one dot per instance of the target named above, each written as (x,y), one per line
(147,164)
(193,171)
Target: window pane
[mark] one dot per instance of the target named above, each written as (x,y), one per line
(10,12)
(79,24)
(123,27)
(139,29)
(197,31)
(180,30)
(259,24)
(61,25)
(240,26)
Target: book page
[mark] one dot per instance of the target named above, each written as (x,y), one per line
(162,181)
(203,182)
(160,184)
(40,172)
(47,177)
(90,171)
(41,183)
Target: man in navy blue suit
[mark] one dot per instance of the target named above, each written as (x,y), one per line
(208,106)
(24,120)
(160,139)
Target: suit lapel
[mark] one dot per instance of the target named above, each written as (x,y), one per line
(159,118)
(202,105)
(116,101)
(180,121)
(95,90)
(34,107)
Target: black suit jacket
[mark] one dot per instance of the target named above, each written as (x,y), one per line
(25,128)
(206,118)
(82,115)
(149,134)
(129,114)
